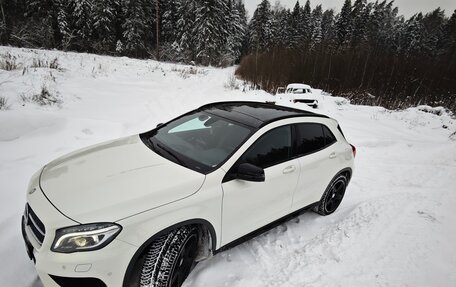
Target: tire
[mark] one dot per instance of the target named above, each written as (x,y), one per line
(333,196)
(170,258)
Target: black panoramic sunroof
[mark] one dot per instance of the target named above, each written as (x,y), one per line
(255,114)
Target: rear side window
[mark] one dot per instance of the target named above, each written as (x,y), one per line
(329,137)
(272,148)
(312,137)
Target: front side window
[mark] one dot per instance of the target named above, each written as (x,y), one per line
(271,148)
(200,141)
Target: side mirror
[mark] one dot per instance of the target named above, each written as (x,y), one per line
(250,172)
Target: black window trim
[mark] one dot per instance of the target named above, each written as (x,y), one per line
(230,175)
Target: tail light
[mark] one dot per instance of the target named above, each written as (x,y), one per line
(354,150)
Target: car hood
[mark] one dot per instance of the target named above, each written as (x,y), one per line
(114,180)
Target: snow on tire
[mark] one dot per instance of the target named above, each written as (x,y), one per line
(170,258)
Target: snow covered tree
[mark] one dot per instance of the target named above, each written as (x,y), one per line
(283,35)
(105,14)
(64,11)
(134,26)
(317,34)
(82,15)
(414,35)
(168,18)
(237,29)
(448,40)
(244,23)
(306,23)
(433,24)
(343,24)
(360,18)
(184,43)
(327,28)
(260,28)
(211,31)
(297,34)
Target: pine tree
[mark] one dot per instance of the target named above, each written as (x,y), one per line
(296,38)
(184,43)
(104,25)
(133,28)
(282,28)
(414,35)
(448,40)
(306,23)
(343,24)
(82,24)
(237,26)
(244,23)
(260,28)
(211,31)
(64,12)
(360,17)
(327,28)
(433,24)
(317,18)
(168,20)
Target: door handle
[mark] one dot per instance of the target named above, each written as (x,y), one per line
(289,169)
(332,155)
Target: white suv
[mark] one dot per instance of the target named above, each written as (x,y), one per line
(298,93)
(142,210)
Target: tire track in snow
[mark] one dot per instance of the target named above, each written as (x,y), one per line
(283,257)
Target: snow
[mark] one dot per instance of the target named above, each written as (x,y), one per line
(395,226)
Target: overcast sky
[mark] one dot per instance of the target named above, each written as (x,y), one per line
(406,7)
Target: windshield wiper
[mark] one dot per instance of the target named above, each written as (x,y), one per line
(172,154)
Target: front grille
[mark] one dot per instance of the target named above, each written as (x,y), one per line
(77,282)
(35,224)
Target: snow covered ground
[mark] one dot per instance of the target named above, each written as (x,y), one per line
(395,227)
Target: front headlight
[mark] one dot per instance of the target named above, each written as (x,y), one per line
(85,237)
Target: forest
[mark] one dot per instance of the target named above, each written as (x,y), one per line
(204,32)
(367,52)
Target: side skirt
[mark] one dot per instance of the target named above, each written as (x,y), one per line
(265,228)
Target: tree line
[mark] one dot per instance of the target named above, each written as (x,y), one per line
(206,32)
(366,52)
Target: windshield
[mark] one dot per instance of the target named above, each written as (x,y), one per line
(199,141)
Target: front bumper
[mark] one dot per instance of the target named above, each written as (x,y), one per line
(99,268)
(309,102)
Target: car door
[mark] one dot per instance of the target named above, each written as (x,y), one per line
(247,205)
(316,146)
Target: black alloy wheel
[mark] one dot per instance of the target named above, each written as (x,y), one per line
(185,261)
(333,196)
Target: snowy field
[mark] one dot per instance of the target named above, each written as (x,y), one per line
(395,227)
